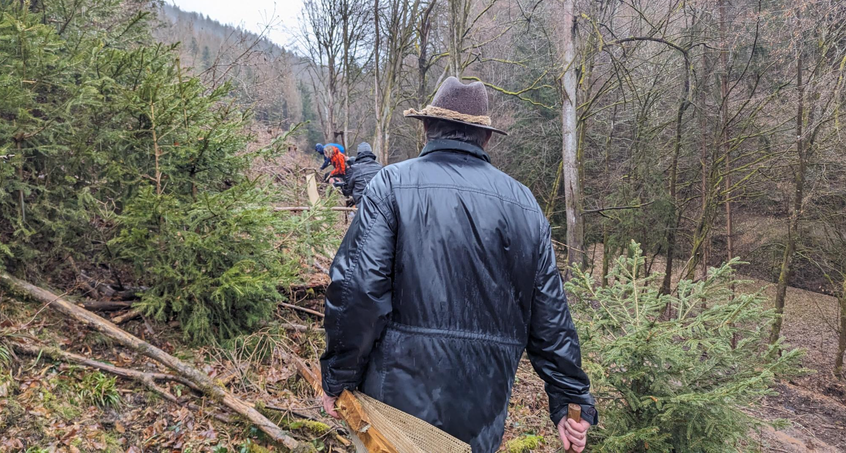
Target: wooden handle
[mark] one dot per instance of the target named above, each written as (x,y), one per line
(574,411)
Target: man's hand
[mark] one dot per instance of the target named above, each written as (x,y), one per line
(573,433)
(329,406)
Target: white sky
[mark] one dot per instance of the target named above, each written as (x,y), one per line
(252,15)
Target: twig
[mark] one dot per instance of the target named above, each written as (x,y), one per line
(300,327)
(303,309)
(128,316)
(106,305)
(148,379)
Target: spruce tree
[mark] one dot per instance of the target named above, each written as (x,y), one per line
(674,372)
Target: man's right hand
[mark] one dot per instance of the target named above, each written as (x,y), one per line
(329,405)
(573,434)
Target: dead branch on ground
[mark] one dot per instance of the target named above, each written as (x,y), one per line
(188,372)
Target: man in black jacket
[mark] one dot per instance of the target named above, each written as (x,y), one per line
(446,275)
(361,172)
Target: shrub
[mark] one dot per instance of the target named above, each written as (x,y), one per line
(213,264)
(674,372)
(121,159)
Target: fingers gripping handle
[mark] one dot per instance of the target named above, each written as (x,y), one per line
(574,411)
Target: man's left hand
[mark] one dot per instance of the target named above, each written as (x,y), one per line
(573,434)
(329,405)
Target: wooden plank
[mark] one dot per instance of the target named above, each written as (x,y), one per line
(352,412)
(311,377)
(313,195)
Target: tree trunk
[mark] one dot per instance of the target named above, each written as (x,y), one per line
(458,12)
(673,183)
(21,203)
(701,253)
(724,128)
(347,38)
(377,140)
(422,70)
(570,165)
(841,348)
(798,194)
(201,380)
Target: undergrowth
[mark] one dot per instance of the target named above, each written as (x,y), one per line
(524,443)
(100,390)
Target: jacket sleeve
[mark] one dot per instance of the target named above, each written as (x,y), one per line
(358,300)
(325,163)
(553,346)
(349,182)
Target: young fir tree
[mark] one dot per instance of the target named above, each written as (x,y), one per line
(674,383)
(115,155)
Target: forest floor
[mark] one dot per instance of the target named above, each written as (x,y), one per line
(50,406)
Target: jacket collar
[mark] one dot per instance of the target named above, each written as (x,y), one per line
(455,145)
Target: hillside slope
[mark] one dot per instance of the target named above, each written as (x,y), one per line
(265,77)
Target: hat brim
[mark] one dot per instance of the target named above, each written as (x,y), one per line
(433,117)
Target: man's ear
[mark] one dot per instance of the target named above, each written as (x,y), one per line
(487,139)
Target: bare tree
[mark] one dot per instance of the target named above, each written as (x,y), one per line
(399,18)
(322,37)
(571,164)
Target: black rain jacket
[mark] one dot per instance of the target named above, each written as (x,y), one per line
(359,174)
(445,276)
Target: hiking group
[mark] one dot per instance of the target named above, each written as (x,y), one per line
(351,175)
(445,277)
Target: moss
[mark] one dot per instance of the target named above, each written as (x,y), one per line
(315,427)
(524,443)
(253,447)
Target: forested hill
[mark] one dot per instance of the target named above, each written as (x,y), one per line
(265,76)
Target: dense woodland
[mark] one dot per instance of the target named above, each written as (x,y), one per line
(153,163)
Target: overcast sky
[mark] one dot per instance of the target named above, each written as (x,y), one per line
(252,15)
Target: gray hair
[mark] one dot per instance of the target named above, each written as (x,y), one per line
(449,130)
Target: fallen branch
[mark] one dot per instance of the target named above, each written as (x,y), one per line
(191,374)
(321,267)
(148,379)
(128,316)
(106,305)
(300,327)
(336,429)
(98,287)
(303,309)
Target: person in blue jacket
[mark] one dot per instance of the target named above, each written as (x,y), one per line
(319,148)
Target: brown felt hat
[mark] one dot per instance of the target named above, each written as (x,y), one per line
(459,103)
